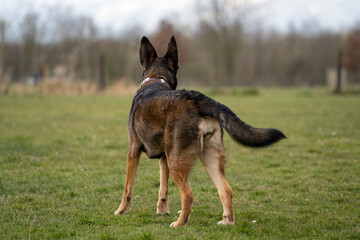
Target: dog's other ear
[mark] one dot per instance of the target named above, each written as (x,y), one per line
(171,56)
(147,53)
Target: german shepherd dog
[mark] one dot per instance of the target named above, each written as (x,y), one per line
(178,126)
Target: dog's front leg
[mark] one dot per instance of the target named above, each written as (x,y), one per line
(162,206)
(132,165)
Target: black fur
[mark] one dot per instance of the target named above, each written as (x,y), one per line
(239,130)
(208,107)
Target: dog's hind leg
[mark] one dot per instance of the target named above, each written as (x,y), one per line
(180,176)
(162,204)
(187,197)
(213,159)
(132,165)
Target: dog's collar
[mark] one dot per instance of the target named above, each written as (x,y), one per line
(154,79)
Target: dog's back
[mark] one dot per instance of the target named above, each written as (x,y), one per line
(156,109)
(161,117)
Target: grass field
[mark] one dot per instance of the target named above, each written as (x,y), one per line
(63,168)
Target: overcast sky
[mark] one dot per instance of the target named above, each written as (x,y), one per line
(121,15)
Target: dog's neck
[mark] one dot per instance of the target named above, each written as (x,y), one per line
(154,79)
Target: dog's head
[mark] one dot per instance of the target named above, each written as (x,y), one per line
(161,67)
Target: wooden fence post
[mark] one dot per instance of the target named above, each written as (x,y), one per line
(102,83)
(339,67)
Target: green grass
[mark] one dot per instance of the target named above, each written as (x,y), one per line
(63,168)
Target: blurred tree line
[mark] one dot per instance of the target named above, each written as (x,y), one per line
(224,49)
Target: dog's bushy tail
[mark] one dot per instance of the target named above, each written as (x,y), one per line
(237,129)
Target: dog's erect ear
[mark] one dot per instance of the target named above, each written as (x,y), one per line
(147,53)
(171,56)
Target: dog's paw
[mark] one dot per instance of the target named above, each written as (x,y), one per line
(173,225)
(158,212)
(225,222)
(179,223)
(118,212)
(162,209)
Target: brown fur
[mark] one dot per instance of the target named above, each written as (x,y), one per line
(178,127)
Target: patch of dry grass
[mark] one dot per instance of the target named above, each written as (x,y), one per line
(120,87)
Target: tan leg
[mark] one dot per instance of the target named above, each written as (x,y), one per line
(132,165)
(162,206)
(187,197)
(213,160)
